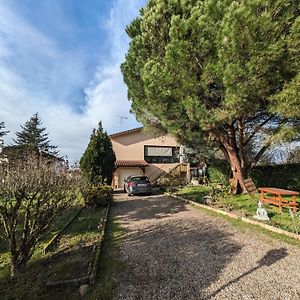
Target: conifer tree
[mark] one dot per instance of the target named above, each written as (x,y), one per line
(97,162)
(2,132)
(218,70)
(34,136)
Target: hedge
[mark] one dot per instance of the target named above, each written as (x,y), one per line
(97,196)
(282,176)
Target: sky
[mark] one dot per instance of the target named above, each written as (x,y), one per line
(61,58)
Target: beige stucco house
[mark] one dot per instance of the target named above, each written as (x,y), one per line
(139,153)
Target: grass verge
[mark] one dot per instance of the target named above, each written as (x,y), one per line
(109,263)
(246,227)
(69,259)
(242,205)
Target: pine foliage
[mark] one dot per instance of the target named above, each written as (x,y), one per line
(34,136)
(222,71)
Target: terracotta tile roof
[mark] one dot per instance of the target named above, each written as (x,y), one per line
(131,163)
(126,132)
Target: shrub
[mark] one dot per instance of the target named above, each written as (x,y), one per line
(32,194)
(219,172)
(97,196)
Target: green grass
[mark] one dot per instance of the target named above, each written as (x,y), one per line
(55,227)
(69,259)
(250,227)
(244,205)
(109,264)
(195,193)
(84,230)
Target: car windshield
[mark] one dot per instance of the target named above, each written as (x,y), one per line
(140,178)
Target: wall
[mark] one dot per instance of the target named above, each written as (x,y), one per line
(131,146)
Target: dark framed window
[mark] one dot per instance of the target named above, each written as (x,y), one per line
(161,154)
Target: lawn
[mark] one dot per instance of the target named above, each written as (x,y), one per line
(69,259)
(242,205)
(109,264)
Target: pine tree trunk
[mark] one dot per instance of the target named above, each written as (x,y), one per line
(228,145)
(238,173)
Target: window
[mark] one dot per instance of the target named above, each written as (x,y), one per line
(161,155)
(140,178)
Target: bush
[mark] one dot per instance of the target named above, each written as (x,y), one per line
(282,176)
(219,172)
(97,196)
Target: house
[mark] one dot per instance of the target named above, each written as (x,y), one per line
(16,152)
(139,153)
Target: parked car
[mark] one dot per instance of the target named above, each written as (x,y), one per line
(139,184)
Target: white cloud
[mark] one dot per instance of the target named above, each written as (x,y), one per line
(36,75)
(107,94)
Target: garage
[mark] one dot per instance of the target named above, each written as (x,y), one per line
(127,168)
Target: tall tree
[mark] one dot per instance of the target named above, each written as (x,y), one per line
(97,162)
(34,136)
(218,70)
(2,132)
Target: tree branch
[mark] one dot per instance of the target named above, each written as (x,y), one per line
(258,156)
(256,129)
(241,142)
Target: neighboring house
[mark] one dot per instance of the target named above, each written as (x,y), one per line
(139,153)
(11,153)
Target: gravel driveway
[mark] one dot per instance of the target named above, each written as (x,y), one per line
(171,250)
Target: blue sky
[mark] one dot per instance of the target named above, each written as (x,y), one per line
(62,58)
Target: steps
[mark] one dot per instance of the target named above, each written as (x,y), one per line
(164,169)
(175,174)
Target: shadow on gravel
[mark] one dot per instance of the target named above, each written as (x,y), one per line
(149,207)
(173,258)
(269,259)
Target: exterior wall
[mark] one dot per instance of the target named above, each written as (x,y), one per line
(131,146)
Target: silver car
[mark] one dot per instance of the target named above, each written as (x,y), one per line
(139,184)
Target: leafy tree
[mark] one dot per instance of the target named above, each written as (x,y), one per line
(33,136)
(97,162)
(32,195)
(218,71)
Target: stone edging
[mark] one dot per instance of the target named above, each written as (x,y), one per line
(92,269)
(59,233)
(246,220)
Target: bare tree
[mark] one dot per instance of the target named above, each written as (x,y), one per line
(32,194)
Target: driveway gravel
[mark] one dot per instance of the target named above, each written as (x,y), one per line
(171,250)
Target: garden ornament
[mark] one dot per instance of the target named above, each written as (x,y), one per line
(261,213)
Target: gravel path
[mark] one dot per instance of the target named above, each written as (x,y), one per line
(171,250)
